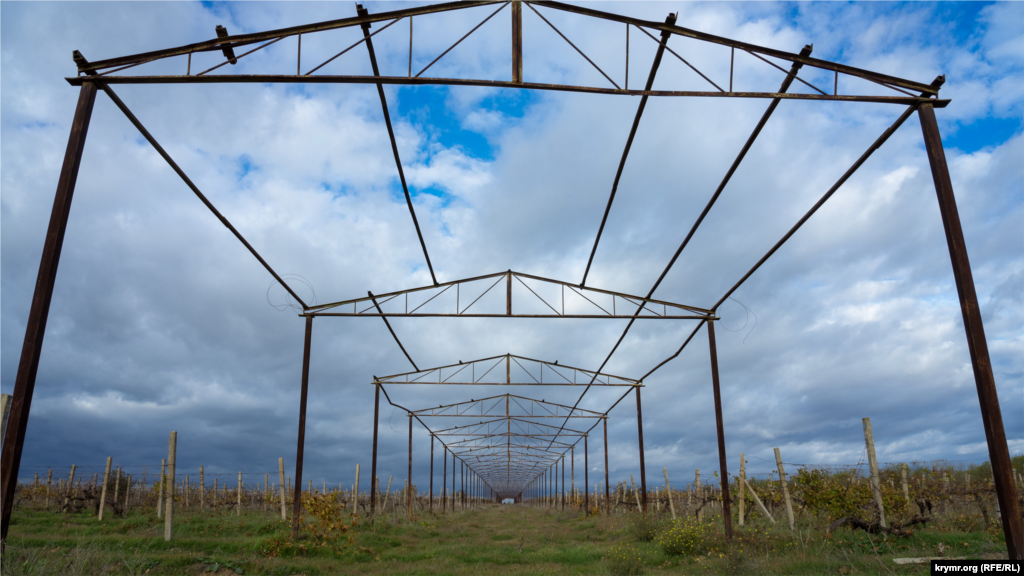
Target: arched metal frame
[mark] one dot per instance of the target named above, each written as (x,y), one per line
(915,96)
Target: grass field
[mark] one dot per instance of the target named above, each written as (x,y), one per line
(491,539)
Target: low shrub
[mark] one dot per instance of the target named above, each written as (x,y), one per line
(625,560)
(687,537)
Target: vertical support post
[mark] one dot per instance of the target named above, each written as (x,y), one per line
(875,479)
(785,491)
(373,462)
(607,495)
(172,449)
(35,329)
(640,436)
(103,492)
(280,468)
(508,295)
(563,482)
(720,428)
(586,475)
(453,481)
(297,503)
(444,481)
(408,489)
(160,495)
(572,476)
(517,42)
(991,415)
(431,499)
(355,493)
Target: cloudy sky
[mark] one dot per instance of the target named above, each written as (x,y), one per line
(162,321)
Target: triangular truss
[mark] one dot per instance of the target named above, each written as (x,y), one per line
(538,297)
(310,67)
(508,370)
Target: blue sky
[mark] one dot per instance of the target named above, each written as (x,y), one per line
(161,320)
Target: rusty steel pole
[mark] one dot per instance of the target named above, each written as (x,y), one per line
(444,480)
(35,329)
(373,460)
(640,435)
(453,481)
(586,475)
(431,499)
(988,398)
(408,486)
(299,450)
(607,498)
(720,428)
(563,482)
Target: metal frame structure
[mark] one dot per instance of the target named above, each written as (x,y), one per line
(913,96)
(529,467)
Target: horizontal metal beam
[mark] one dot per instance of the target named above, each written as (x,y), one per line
(502,383)
(565,316)
(404,80)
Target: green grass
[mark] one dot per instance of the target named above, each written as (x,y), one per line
(489,540)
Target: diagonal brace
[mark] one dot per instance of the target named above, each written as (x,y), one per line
(394,144)
(670,20)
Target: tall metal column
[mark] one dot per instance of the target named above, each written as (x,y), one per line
(408,486)
(586,475)
(640,435)
(35,330)
(431,499)
(563,483)
(991,415)
(444,481)
(373,460)
(300,449)
(722,462)
(607,490)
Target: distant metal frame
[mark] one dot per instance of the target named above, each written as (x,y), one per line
(915,96)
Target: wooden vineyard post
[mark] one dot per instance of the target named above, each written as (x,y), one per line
(49,480)
(355,493)
(700,494)
(785,490)
(284,508)
(160,494)
(70,487)
(202,491)
(266,490)
(103,491)
(127,492)
(239,512)
(172,448)
(876,487)
(668,492)
(117,483)
(743,481)
(903,482)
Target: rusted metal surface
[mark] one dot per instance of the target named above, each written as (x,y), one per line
(394,144)
(988,398)
(301,444)
(607,500)
(31,349)
(640,438)
(517,42)
(671,19)
(723,468)
(373,465)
